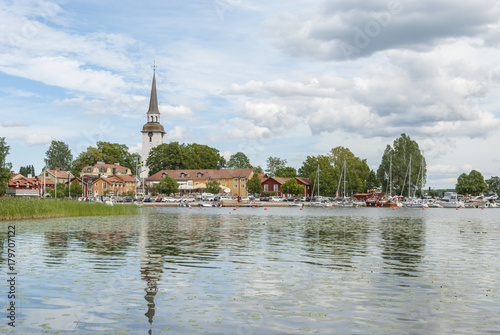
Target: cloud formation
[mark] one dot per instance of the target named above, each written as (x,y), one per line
(346,30)
(420,93)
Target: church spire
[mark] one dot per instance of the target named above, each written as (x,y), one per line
(153,100)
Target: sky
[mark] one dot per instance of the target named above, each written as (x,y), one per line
(287,79)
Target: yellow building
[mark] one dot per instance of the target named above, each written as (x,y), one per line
(232,181)
(116,185)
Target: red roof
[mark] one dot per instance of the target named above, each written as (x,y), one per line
(193,174)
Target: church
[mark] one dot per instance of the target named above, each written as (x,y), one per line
(153,132)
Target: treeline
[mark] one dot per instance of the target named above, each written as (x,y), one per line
(392,176)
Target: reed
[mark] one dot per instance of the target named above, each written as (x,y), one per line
(20,208)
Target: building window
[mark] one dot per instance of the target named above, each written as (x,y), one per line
(96,193)
(242,180)
(223,180)
(104,186)
(196,183)
(266,188)
(223,185)
(96,185)
(276,188)
(235,180)
(242,185)
(200,174)
(235,185)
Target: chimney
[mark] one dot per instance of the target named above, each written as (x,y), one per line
(219,167)
(100,162)
(114,170)
(117,163)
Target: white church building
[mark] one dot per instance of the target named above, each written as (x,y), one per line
(153,132)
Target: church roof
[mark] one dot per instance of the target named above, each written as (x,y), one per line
(153,127)
(153,100)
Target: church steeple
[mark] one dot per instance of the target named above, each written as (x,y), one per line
(153,131)
(153,100)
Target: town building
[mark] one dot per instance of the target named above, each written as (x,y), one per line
(21,186)
(232,181)
(152,132)
(101,168)
(115,185)
(56,176)
(91,173)
(273,184)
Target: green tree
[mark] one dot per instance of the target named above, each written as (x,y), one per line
(75,189)
(27,170)
(494,184)
(204,157)
(356,169)
(213,187)
(238,161)
(169,157)
(292,187)
(58,156)
(328,175)
(433,193)
(274,164)
(472,184)
(286,172)
(61,188)
(257,169)
(4,166)
(108,153)
(402,149)
(372,182)
(253,185)
(167,185)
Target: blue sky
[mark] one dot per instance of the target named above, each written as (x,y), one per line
(286,79)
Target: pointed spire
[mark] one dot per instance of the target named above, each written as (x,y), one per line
(153,100)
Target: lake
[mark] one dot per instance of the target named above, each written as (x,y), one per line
(257,271)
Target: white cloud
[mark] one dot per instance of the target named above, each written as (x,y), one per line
(10,123)
(179,133)
(32,139)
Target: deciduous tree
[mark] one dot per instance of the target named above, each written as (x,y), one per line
(4,166)
(108,153)
(494,185)
(58,156)
(213,187)
(167,185)
(253,185)
(472,183)
(402,149)
(274,164)
(292,187)
(239,161)
(286,172)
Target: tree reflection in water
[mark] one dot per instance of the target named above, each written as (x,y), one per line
(403,242)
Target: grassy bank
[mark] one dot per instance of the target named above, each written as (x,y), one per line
(19,208)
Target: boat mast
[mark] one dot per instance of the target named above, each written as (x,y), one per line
(409,181)
(345,172)
(390,178)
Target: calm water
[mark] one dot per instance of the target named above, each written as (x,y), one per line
(256,271)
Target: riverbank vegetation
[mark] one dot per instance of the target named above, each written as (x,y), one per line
(20,208)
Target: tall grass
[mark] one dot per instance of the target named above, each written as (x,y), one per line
(20,208)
